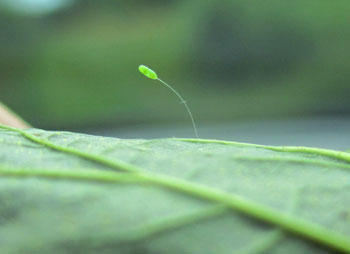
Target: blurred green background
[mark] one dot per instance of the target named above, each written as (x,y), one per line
(69,64)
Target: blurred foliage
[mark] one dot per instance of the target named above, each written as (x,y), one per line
(230,59)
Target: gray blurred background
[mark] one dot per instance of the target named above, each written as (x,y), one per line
(269,72)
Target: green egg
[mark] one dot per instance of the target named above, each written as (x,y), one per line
(148,72)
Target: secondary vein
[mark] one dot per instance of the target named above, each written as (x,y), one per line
(172,223)
(114,164)
(289,222)
(344,156)
(294,160)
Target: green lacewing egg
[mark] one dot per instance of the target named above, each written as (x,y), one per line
(148,72)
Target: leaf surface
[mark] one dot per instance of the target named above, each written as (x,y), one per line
(62,192)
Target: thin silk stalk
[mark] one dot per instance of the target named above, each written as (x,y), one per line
(183,102)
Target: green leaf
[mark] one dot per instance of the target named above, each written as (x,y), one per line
(62,192)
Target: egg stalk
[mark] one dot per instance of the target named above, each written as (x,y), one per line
(183,102)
